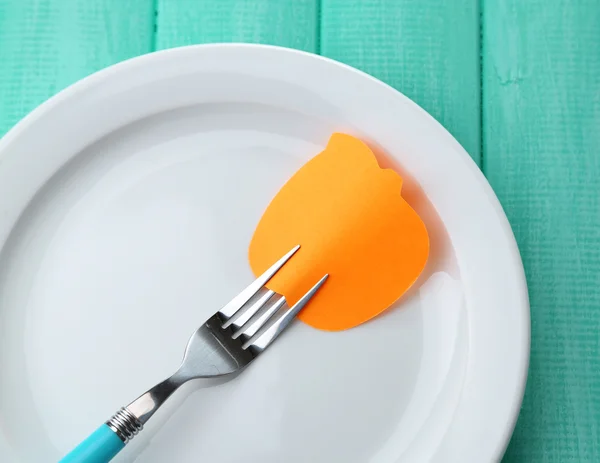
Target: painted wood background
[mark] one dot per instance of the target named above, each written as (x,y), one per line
(516,81)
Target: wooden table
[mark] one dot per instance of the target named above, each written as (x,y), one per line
(517,82)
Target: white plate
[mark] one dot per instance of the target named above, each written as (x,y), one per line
(128,202)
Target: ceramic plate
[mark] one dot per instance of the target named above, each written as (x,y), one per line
(128,202)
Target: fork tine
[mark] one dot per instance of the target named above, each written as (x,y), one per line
(242,298)
(265,339)
(257,324)
(238,322)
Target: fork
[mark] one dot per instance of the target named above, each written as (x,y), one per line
(225,344)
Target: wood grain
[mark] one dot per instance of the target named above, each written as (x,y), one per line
(541,120)
(427,49)
(46,45)
(275,22)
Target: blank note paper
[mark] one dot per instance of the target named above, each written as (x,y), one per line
(351,221)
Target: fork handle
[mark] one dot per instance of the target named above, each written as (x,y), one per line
(100,446)
(105,442)
(109,439)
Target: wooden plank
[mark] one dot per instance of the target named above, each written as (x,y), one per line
(427,49)
(541,138)
(286,23)
(45,45)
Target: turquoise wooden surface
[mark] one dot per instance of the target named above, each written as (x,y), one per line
(517,82)
(541,121)
(46,45)
(429,50)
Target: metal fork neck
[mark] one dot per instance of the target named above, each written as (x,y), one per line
(146,405)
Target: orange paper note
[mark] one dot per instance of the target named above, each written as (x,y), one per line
(351,221)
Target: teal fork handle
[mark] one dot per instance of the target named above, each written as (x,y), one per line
(99,447)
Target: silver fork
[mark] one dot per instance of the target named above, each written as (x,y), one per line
(226,343)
